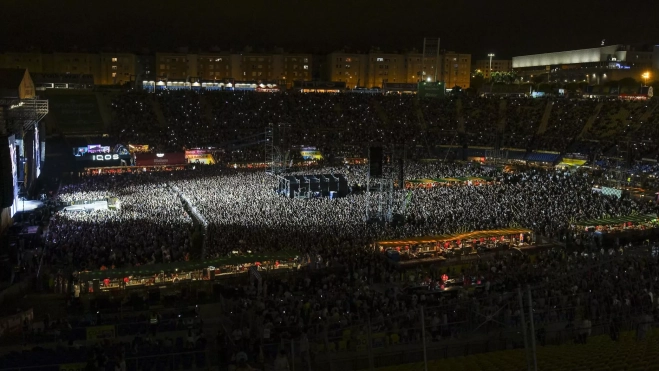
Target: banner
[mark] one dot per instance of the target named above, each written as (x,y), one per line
(159,159)
(573,161)
(199,157)
(311,154)
(138,148)
(100,332)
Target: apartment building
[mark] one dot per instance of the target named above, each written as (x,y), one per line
(498,65)
(456,69)
(385,67)
(347,67)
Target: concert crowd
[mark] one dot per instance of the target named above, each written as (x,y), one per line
(348,285)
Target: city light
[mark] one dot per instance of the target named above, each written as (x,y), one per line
(646,76)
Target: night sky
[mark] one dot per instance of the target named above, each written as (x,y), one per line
(507,28)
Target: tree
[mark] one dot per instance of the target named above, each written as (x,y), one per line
(571,87)
(477,79)
(538,79)
(503,77)
(628,82)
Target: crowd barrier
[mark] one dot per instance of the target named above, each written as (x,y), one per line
(166,361)
(196,215)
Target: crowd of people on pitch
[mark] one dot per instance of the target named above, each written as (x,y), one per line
(150,226)
(244,212)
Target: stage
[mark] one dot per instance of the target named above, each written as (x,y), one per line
(28,205)
(93,206)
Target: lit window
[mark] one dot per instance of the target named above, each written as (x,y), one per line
(347,60)
(114,59)
(114,74)
(306,60)
(379,59)
(114,68)
(306,66)
(218,59)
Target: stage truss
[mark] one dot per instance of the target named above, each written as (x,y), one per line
(382,197)
(29,112)
(277,148)
(430,59)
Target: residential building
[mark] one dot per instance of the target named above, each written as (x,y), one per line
(33,61)
(418,70)
(116,69)
(347,67)
(456,69)
(145,67)
(256,67)
(498,65)
(176,66)
(384,67)
(214,66)
(293,67)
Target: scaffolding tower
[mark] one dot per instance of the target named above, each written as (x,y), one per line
(28,111)
(277,148)
(269,143)
(430,68)
(380,192)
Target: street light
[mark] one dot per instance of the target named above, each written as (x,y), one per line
(645,77)
(491,55)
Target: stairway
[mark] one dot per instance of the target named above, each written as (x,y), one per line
(157,110)
(460,117)
(545,118)
(206,108)
(104,101)
(591,120)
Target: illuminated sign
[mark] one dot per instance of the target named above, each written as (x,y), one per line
(16,105)
(105,157)
(160,155)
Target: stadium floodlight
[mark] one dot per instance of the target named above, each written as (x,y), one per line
(646,76)
(490,55)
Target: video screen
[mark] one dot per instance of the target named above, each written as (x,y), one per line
(97,148)
(37,152)
(14,175)
(79,151)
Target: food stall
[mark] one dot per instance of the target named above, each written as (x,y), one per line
(631,228)
(187,271)
(439,248)
(434,182)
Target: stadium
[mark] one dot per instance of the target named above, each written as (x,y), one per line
(213,229)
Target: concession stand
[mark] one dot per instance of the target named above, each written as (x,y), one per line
(629,228)
(434,182)
(439,248)
(167,274)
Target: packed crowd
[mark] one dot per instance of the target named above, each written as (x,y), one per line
(244,212)
(171,120)
(151,225)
